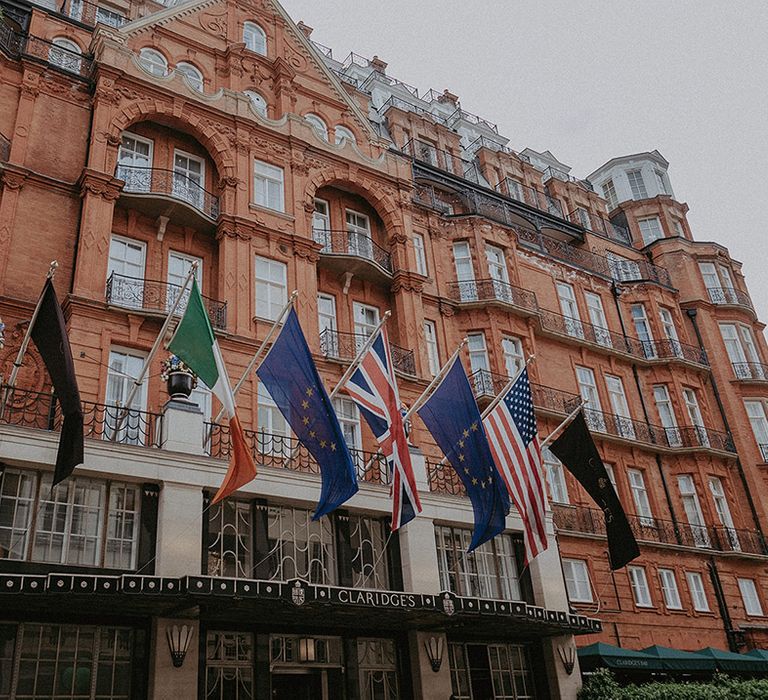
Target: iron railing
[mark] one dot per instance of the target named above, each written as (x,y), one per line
(491,145)
(763,451)
(445,160)
(58,56)
(443,478)
(91,14)
(286,452)
(34,409)
(462,115)
(554,400)
(526,194)
(350,242)
(345,346)
(179,186)
(155,296)
(669,349)
(411,107)
(729,296)
(601,226)
(653,530)
(428,196)
(11,42)
(468,291)
(750,370)
(487,384)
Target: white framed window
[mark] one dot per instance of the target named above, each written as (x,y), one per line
(612,476)
(640,497)
(465,272)
(585,378)
(342,134)
(622,269)
(433,355)
(366,319)
(637,184)
(643,330)
(359,234)
(620,407)
(696,588)
(667,415)
(640,590)
(650,229)
(609,192)
(134,162)
(693,512)
(189,178)
(577,580)
(65,54)
(661,182)
(318,124)
(478,354)
(752,605)
(127,258)
(420,254)
(723,511)
(153,62)
(179,265)
(254,38)
(669,589)
(326,320)
(124,368)
(570,310)
(514,357)
(694,414)
(271,287)
(349,419)
(192,75)
(268,186)
(258,102)
(759,422)
(497,264)
(270,420)
(558,487)
(670,331)
(742,351)
(597,319)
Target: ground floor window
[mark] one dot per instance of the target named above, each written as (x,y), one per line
(490,672)
(229,666)
(377,666)
(63,662)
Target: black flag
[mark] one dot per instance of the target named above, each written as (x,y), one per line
(50,336)
(577,451)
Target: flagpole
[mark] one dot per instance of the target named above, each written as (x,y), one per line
(498,397)
(565,422)
(359,357)
(138,381)
(257,356)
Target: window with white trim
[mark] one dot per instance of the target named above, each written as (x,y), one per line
(570,310)
(661,182)
(670,331)
(693,512)
(698,594)
(643,330)
(612,476)
(270,422)
(752,605)
(621,416)
(271,288)
(742,351)
(255,38)
(349,420)
(153,62)
(597,319)
(258,102)
(65,54)
(717,489)
(670,590)
(759,422)
(124,368)
(514,357)
(640,497)
(609,193)
(318,124)
(640,590)
(125,272)
(420,254)
(585,378)
(637,184)
(433,355)
(558,487)
(650,229)
(193,76)
(577,580)
(667,415)
(268,186)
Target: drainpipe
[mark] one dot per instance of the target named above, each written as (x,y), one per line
(692,313)
(668,496)
(730,633)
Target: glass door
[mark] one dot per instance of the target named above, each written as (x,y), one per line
(624,425)
(465,273)
(125,272)
(724,512)
(597,319)
(189,179)
(643,330)
(570,310)
(593,412)
(321,225)
(670,332)
(326,318)
(697,420)
(667,415)
(359,232)
(497,267)
(693,512)
(134,163)
(366,321)
(479,365)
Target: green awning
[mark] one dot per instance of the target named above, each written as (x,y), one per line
(676,660)
(600,655)
(729,661)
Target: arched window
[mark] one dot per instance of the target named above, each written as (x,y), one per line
(194,77)
(154,62)
(65,54)
(258,103)
(344,134)
(255,39)
(318,124)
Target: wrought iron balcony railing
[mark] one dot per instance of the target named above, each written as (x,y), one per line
(155,296)
(428,196)
(15,44)
(750,371)
(34,409)
(445,160)
(91,14)
(668,349)
(462,115)
(443,478)
(601,226)
(354,243)
(729,296)
(648,529)
(468,291)
(763,451)
(179,186)
(345,346)
(487,384)
(286,452)
(554,400)
(526,194)
(395,102)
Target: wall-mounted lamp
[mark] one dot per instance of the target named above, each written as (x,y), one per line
(434,648)
(179,638)
(567,656)
(306,650)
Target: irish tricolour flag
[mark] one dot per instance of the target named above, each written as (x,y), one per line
(195,343)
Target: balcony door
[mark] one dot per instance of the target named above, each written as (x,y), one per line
(134,163)
(597,319)
(643,330)
(189,178)
(514,357)
(125,272)
(321,225)
(593,412)
(366,321)
(326,321)
(120,425)
(717,490)
(694,413)
(179,266)
(692,509)
(667,415)
(570,310)
(479,365)
(497,267)
(618,398)
(465,273)
(670,332)
(359,232)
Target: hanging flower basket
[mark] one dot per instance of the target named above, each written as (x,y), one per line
(180,379)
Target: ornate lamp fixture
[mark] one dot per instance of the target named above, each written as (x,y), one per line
(567,656)
(434,647)
(178,642)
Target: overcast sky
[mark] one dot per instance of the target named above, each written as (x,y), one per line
(593,80)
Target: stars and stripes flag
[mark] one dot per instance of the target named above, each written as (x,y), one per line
(514,440)
(373,388)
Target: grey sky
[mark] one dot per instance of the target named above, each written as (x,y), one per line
(593,80)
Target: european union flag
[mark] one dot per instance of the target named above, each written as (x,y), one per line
(452,417)
(290,376)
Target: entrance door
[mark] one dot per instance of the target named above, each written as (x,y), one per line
(297,686)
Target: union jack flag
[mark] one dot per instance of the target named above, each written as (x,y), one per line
(373,388)
(513,436)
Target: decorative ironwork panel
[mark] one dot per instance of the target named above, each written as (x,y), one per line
(369,556)
(377,667)
(229,666)
(230,539)
(345,346)
(352,243)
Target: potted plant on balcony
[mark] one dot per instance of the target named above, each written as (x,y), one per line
(179,378)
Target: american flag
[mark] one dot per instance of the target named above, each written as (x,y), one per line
(374,389)
(514,440)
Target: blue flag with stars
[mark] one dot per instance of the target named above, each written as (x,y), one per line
(291,378)
(452,417)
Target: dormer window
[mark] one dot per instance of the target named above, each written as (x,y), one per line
(153,62)
(609,192)
(661,182)
(193,76)
(254,38)
(637,184)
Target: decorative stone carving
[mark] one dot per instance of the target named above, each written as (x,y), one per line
(12,180)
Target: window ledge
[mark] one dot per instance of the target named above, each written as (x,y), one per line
(274,212)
